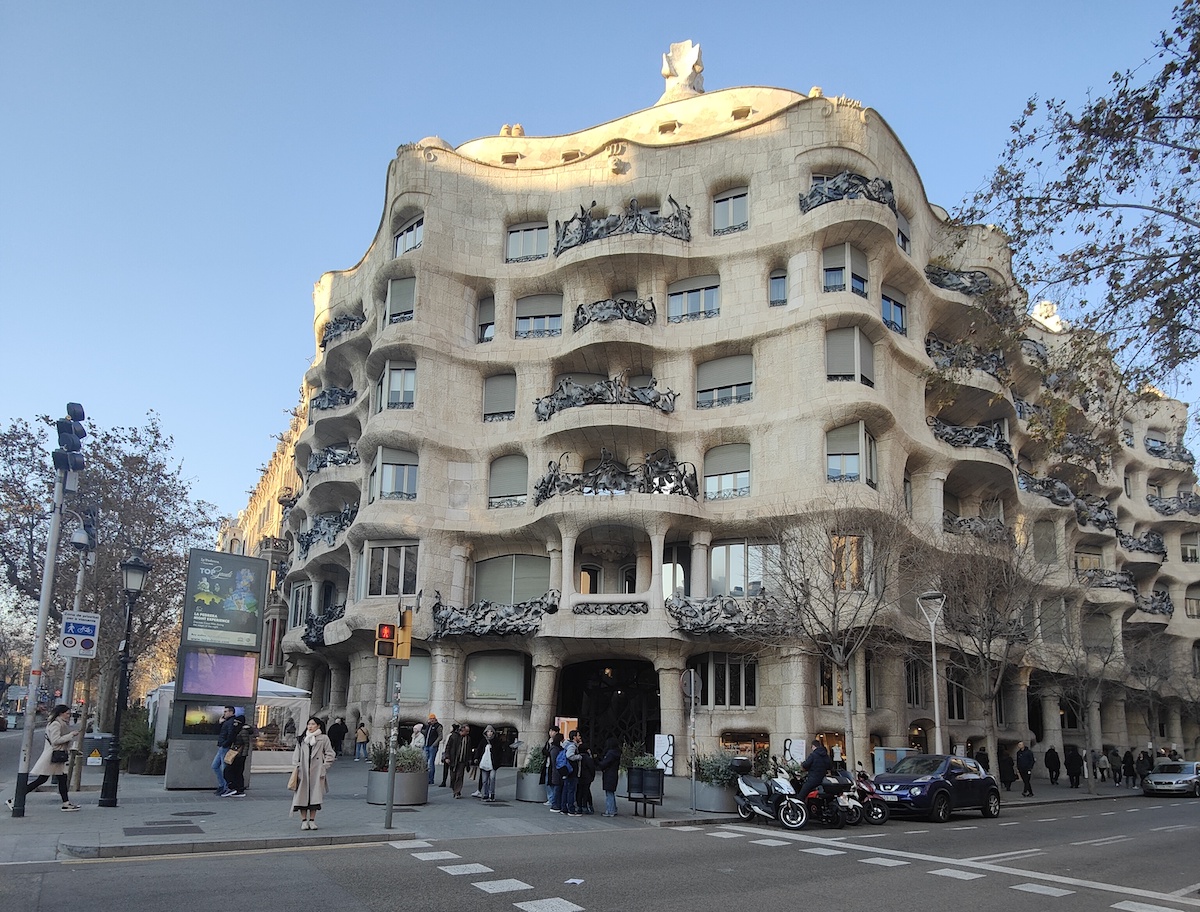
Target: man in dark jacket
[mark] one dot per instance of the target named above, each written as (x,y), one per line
(225,736)
(1025,762)
(1053,765)
(816,764)
(610,769)
(1074,765)
(458,753)
(337,734)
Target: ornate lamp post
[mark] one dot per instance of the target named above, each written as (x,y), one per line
(931,605)
(134,571)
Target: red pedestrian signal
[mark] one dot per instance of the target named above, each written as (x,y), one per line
(385,640)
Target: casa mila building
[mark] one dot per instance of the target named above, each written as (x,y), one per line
(561,403)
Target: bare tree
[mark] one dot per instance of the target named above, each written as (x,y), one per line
(1150,668)
(835,571)
(991,578)
(1088,662)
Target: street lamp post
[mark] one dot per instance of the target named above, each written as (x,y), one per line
(931,604)
(134,570)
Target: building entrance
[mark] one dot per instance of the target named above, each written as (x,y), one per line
(612,699)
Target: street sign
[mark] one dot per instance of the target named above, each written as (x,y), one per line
(79,634)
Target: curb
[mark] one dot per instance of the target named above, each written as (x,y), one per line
(132,850)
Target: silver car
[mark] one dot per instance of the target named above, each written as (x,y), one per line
(1173,778)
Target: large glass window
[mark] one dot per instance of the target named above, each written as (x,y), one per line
(1189,547)
(1053,621)
(401,298)
(731,211)
(831,684)
(956,695)
(508,481)
(694,299)
(397,386)
(914,682)
(740,568)
(1088,558)
(486,320)
(539,316)
(388,569)
(394,475)
(903,233)
(409,237)
(849,356)
(846,559)
(677,570)
(842,261)
(301,604)
(727,472)
(529,241)
(512,578)
(850,454)
(894,310)
(727,679)
(725,381)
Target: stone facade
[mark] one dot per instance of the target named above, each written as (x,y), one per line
(487,440)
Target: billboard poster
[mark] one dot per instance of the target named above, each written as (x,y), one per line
(224,600)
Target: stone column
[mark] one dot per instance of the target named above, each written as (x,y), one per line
(1051,729)
(339,688)
(1020,705)
(554,549)
(444,666)
(306,671)
(672,709)
(544,704)
(568,579)
(700,542)
(931,501)
(1095,727)
(1116,729)
(460,556)
(652,582)
(1174,727)
(861,748)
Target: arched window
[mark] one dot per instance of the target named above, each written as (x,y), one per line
(500,397)
(727,472)
(849,356)
(409,237)
(844,261)
(508,481)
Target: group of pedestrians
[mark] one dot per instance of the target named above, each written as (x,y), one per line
(235,740)
(570,769)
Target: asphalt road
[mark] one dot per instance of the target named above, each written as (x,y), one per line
(1135,856)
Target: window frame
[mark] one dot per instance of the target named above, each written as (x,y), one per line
(861,345)
(698,298)
(533,239)
(404,476)
(409,237)
(726,208)
(395,553)
(893,309)
(383,386)
(866,458)
(777,288)
(728,680)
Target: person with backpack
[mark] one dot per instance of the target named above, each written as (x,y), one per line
(568,762)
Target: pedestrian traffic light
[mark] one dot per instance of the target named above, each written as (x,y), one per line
(385,641)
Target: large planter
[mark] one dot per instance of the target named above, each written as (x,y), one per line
(715,798)
(411,788)
(529,789)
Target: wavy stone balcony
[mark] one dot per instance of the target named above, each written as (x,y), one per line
(583,229)
(616,391)
(487,618)
(962,356)
(331,398)
(992,530)
(1175,452)
(326,527)
(847,186)
(1180,503)
(1099,578)
(1158,603)
(342,454)
(338,328)
(971,282)
(724,614)
(1151,542)
(314,627)
(661,473)
(982,436)
(610,310)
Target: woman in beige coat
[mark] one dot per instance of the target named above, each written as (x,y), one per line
(59,735)
(313,757)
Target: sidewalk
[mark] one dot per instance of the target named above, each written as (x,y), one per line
(152,821)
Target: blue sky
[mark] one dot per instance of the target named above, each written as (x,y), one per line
(174,177)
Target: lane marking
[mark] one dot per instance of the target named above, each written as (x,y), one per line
(1020,873)
(411,844)
(1008,856)
(1103,841)
(1011,823)
(770,842)
(456,870)
(964,828)
(1184,891)
(884,862)
(1041,889)
(727,835)
(434,856)
(956,874)
(1167,829)
(1140,907)
(554,904)
(913,832)
(509,885)
(1046,819)
(820,851)
(685,829)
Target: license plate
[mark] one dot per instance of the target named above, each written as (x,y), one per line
(890,797)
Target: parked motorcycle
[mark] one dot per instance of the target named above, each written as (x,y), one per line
(773,798)
(863,802)
(828,803)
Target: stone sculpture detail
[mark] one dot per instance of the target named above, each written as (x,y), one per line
(660,474)
(582,228)
(569,394)
(488,618)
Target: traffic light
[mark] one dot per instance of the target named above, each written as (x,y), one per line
(404,636)
(385,641)
(68,458)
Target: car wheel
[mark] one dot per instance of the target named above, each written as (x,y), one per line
(877,812)
(744,811)
(940,811)
(991,807)
(793,815)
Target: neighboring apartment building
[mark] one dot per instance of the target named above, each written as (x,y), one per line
(558,403)
(257,532)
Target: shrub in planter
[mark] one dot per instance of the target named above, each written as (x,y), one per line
(409,759)
(535,760)
(716,769)
(411,785)
(641,767)
(528,787)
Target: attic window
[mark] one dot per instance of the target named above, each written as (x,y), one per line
(669,126)
(510,158)
(571,155)
(742,113)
